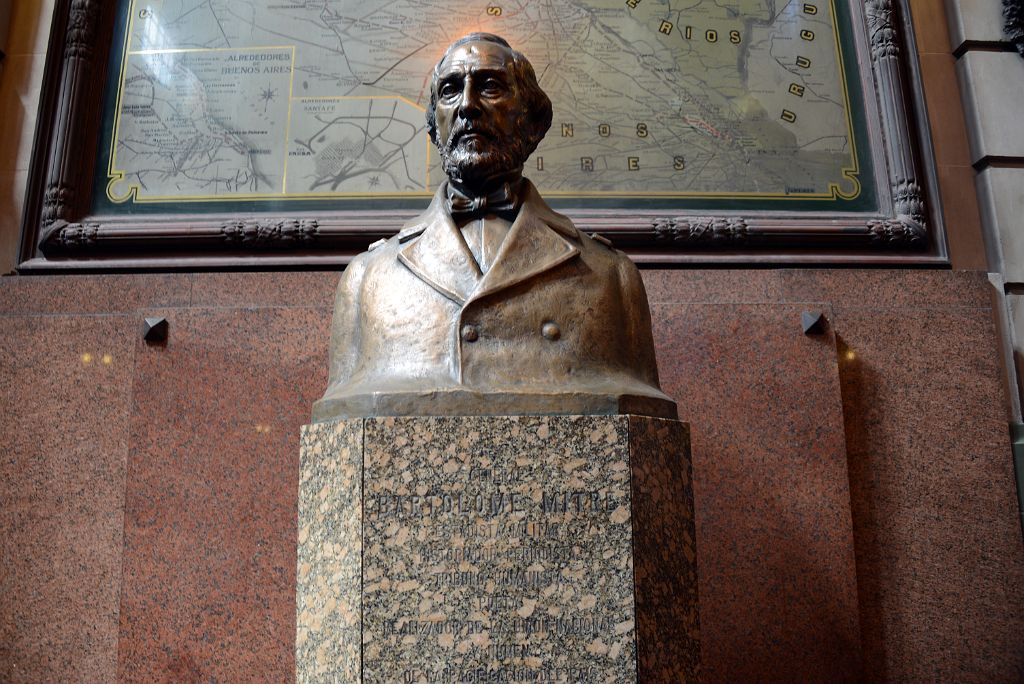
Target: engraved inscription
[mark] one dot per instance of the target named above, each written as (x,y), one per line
(488,568)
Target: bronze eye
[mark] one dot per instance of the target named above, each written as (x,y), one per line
(493,86)
(449,89)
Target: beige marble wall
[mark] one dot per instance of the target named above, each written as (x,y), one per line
(19,96)
(991,77)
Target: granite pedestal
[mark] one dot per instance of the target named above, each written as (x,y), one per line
(496,549)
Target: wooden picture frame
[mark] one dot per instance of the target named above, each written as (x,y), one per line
(60,233)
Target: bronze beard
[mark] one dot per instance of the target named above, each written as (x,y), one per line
(499,158)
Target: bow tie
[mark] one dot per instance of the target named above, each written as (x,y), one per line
(502,202)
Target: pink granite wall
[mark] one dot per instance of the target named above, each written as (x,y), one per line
(855,503)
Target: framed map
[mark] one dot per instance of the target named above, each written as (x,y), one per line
(294,132)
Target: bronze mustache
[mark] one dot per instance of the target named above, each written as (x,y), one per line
(466,129)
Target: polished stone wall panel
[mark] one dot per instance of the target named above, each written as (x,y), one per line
(64,403)
(776,564)
(937,559)
(101,294)
(938,541)
(312,289)
(886,289)
(710,287)
(210,521)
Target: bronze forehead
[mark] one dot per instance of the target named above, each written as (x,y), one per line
(479,56)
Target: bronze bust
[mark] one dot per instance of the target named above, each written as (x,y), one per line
(490,303)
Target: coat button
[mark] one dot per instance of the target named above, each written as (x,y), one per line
(470,333)
(551,331)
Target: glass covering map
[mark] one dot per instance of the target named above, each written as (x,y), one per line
(224,100)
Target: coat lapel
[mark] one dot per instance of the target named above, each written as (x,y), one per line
(536,243)
(538,240)
(440,256)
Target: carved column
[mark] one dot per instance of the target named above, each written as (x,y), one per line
(64,182)
(909,224)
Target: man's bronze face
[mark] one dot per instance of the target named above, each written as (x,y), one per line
(478,113)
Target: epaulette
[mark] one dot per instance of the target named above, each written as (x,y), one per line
(376,244)
(603,240)
(411,232)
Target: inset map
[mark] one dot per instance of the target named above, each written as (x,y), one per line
(200,124)
(355,144)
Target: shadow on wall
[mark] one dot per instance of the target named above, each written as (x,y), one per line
(856,383)
(1018,361)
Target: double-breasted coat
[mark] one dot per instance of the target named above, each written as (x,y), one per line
(559,324)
